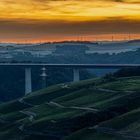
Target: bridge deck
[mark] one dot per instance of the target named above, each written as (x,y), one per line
(103,66)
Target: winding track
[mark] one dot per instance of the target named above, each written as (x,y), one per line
(112,91)
(31,115)
(72,107)
(28,113)
(113,132)
(25,103)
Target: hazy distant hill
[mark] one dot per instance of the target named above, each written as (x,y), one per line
(48,51)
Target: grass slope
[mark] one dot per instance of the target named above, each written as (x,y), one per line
(69,110)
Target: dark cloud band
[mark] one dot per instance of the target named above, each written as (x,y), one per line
(24,27)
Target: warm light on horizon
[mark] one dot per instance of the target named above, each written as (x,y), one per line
(102,37)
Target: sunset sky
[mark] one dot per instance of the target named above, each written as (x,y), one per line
(56,20)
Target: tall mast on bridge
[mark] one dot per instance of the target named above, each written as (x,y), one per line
(43,77)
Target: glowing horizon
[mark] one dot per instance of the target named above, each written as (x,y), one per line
(102,37)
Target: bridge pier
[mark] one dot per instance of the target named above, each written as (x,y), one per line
(28,81)
(76,75)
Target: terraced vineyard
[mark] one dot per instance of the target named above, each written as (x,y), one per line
(92,109)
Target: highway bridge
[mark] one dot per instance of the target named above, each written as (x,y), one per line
(75,67)
(80,66)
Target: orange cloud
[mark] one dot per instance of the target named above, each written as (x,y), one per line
(41,18)
(69,9)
